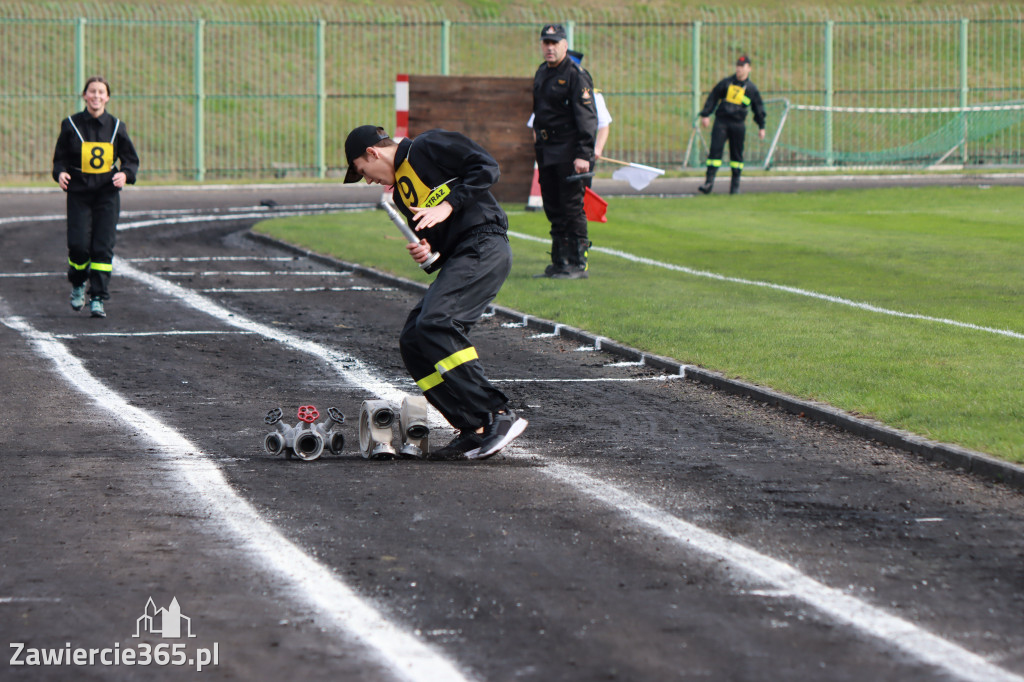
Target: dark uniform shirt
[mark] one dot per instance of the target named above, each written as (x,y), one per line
(736,97)
(565,117)
(100,162)
(437,166)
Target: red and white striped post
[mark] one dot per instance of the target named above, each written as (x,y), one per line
(401,106)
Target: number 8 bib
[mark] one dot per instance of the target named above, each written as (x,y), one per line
(97,157)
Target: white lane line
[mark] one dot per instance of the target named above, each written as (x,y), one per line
(785,579)
(212,218)
(890,629)
(210,273)
(256,273)
(271,290)
(169,332)
(788,289)
(400,651)
(206,259)
(31,274)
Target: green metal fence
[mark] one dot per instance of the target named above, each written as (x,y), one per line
(221,93)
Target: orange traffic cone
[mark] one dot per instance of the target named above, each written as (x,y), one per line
(535,202)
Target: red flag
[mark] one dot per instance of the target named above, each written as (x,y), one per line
(594,206)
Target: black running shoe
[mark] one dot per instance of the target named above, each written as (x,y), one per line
(464,443)
(503,428)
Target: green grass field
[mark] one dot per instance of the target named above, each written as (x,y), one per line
(950,254)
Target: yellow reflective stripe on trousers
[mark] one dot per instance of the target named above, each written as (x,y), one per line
(446,365)
(77,266)
(102,267)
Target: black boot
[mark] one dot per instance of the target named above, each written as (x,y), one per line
(734,186)
(579,250)
(709,180)
(559,258)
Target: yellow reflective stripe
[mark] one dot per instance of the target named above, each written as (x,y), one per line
(428,382)
(77,266)
(715,162)
(734,164)
(446,365)
(103,267)
(456,359)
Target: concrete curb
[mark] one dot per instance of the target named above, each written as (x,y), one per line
(954,456)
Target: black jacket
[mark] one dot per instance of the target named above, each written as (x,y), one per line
(565,117)
(67,156)
(449,167)
(748,96)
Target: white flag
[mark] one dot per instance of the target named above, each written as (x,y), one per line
(637,175)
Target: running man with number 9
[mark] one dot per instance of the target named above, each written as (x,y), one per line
(85,164)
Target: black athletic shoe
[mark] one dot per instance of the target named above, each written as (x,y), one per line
(504,428)
(464,443)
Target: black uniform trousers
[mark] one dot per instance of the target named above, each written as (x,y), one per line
(92,231)
(434,343)
(563,201)
(733,131)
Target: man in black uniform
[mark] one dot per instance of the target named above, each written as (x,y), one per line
(442,183)
(736,94)
(564,128)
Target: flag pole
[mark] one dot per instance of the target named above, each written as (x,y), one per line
(621,163)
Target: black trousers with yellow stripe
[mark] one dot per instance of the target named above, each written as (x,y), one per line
(435,343)
(92,231)
(735,132)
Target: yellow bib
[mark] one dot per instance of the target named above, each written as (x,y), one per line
(97,157)
(413,190)
(735,94)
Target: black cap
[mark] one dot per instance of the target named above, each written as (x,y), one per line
(355,146)
(554,32)
(744,59)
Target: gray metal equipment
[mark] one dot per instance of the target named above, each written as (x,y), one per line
(376,418)
(307,439)
(413,426)
(407,232)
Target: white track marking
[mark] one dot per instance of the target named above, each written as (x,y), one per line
(257,273)
(203,259)
(788,289)
(400,651)
(787,580)
(271,290)
(893,630)
(169,332)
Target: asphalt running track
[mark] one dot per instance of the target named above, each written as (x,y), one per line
(645,527)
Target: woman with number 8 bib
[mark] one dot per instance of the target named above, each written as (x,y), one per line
(85,164)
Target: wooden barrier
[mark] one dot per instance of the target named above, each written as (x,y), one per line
(491,111)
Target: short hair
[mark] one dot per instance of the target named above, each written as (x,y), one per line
(96,79)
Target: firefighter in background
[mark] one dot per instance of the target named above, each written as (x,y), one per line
(729,101)
(604,117)
(85,165)
(564,128)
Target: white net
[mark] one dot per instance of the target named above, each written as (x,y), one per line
(816,136)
